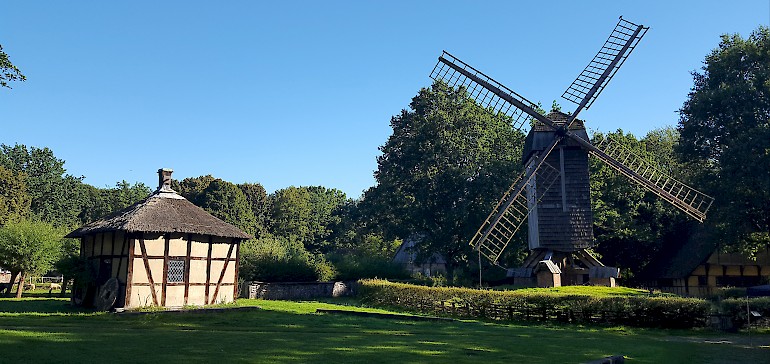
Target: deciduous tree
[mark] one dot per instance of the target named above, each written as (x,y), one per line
(259,202)
(8,72)
(55,195)
(442,169)
(28,247)
(725,138)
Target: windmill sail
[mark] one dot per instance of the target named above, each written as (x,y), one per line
(513,208)
(595,77)
(638,169)
(487,92)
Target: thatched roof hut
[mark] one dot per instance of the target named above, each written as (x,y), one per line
(162,251)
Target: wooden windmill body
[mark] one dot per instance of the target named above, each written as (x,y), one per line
(553,192)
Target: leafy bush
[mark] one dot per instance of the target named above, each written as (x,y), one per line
(358,266)
(669,312)
(728,292)
(279,259)
(736,308)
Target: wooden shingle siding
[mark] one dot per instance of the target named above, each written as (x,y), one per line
(572,229)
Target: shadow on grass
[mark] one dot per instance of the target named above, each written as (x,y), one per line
(277,336)
(38,305)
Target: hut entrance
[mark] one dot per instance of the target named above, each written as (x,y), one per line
(105,271)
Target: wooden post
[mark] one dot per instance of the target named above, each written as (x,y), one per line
(237,264)
(167,242)
(187,268)
(208,269)
(130,267)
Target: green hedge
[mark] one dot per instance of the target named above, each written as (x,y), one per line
(666,312)
(736,309)
(351,267)
(279,259)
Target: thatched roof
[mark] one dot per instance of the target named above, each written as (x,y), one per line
(162,212)
(681,261)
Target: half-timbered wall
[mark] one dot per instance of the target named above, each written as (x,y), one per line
(182,269)
(108,255)
(721,270)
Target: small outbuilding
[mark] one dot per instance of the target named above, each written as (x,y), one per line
(406,256)
(161,251)
(699,268)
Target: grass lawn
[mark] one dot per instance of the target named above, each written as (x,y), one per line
(49,330)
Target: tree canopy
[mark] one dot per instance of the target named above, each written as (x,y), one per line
(220,198)
(14,198)
(631,224)
(725,138)
(29,246)
(442,169)
(55,195)
(8,72)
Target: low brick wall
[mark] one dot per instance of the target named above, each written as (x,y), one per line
(296,290)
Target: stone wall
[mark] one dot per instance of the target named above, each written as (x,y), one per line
(296,290)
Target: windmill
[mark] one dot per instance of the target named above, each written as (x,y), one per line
(553,192)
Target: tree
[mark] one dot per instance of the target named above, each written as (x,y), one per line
(220,198)
(325,209)
(8,72)
(227,202)
(72,266)
(55,196)
(28,247)
(192,188)
(725,138)
(308,214)
(14,199)
(632,225)
(259,202)
(441,171)
(100,202)
(291,213)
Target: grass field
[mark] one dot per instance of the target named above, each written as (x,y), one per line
(49,330)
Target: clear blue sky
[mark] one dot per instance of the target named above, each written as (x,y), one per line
(301,93)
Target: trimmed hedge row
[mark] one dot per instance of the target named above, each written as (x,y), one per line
(735,308)
(642,311)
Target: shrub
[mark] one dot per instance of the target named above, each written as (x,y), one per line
(727,292)
(668,312)
(279,259)
(736,308)
(357,266)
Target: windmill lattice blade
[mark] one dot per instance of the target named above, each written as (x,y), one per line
(511,211)
(684,197)
(486,91)
(594,78)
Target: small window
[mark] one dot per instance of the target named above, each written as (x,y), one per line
(175,271)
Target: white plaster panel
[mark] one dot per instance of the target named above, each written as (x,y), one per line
(177,247)
(196,295)
(174,295)
(197,271)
